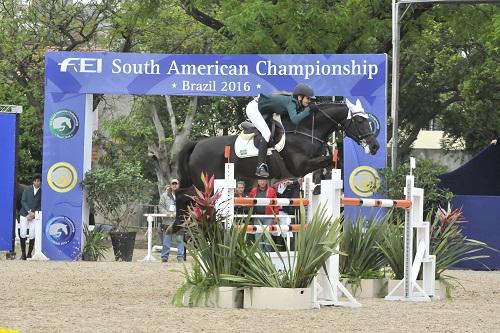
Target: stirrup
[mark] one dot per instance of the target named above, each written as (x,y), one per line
(262,171)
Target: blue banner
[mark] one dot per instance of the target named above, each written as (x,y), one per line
(214,75)
(8,138)
(480,213)
(361,171)
(71,78)
(64,164)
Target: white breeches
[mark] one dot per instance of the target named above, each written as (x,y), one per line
(256,118)
(24,225)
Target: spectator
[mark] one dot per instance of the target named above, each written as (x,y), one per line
(263,190)
(31,201)
(289,188)
(167,205)
(239,192)
(496,136)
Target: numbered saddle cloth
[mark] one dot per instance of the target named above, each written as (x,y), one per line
(245,143)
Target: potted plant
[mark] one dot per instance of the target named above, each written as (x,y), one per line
(214,248)
(95,244)
(114,191)
(362,266)
(450,246)
(225,262)
(447,243)
(290,286)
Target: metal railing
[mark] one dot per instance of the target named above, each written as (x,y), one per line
(140,220)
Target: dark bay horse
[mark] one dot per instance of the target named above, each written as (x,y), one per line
(302,154)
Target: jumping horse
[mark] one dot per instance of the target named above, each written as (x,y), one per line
(303,151)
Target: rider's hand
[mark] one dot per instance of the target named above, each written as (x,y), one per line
(313,108)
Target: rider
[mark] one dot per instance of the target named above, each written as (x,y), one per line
(296,106)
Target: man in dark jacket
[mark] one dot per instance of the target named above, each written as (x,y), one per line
(31,201)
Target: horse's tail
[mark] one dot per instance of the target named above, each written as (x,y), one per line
(183,164)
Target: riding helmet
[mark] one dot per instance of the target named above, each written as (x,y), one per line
(304,90)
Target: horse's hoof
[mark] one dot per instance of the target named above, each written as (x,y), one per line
(317,190)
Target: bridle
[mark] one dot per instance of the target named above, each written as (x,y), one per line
(358,137)
(344,125)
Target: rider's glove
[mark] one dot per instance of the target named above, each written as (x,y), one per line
(313,108)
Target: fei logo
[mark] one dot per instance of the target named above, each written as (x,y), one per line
(81,65)
(60,230)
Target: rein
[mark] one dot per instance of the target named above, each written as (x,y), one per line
(343,125)
(337,124)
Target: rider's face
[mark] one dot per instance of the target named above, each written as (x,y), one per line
(305,100)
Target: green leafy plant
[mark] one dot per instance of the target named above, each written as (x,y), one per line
(213,246)
(392,246)
(95,244)
(364,259)
(426,177)
(314,244)
(449,244)
(114,191)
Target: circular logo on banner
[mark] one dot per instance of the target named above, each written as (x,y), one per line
(64,124)
(374,124)
(62,177)
(60,230)
(364,181)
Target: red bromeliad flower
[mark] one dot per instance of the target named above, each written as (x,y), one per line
(449,217)
(203,211)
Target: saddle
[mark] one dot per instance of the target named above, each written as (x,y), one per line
(246,142)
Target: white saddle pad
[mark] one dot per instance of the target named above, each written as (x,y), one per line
(244,147)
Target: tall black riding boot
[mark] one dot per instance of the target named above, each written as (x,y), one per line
(23,248)
(262,169)
(30,248)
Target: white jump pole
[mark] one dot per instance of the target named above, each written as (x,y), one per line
(414,216)
(38,256)
(329,281)
(150,217)
(225,204)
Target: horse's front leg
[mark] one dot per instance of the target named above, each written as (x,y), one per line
(319,163)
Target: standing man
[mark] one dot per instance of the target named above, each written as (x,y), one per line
(167,205)
(289,188)
(263,190)
(31,201)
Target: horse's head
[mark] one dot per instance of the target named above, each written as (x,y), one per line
(357,127)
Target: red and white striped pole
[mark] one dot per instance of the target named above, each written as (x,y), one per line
(270,202)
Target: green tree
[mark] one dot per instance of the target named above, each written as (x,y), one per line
(449,58)
(28,29)
(450,72)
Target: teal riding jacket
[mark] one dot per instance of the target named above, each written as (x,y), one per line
(282,105)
